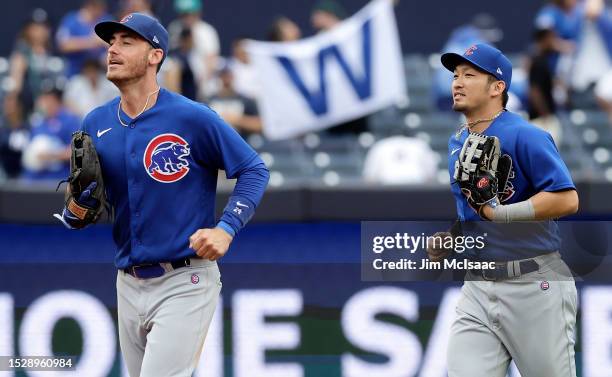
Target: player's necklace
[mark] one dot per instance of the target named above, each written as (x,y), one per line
(469,125)
(140,113)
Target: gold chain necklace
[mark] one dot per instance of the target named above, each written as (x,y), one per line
(469,125)
(140,113)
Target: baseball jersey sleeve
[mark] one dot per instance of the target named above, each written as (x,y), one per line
(228,151)
(543,165)
(222,147)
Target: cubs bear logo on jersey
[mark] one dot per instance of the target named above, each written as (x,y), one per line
(166,158)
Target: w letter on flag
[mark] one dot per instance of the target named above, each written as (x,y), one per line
(362,86)
(342,74)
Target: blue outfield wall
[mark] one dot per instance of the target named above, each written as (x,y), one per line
(257,243)
(293,299)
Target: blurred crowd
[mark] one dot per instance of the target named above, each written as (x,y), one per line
(56,73)
(566,66)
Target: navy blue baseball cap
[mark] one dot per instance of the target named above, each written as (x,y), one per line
(484,57)
(146,26)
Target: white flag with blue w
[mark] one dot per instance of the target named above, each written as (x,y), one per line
(342,74)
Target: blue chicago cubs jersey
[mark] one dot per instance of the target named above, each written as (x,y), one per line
(536,166)
(161,172)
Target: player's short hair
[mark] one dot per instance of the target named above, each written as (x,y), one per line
(491,80)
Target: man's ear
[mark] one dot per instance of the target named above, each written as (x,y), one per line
(498,88)
(155,56)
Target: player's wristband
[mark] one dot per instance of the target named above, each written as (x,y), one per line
(521,211)
(237,213)
(226,227)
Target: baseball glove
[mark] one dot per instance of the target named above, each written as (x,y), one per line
(85,197)
(481,171)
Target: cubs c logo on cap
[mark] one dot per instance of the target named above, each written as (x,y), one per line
(470,50)
(126,19)
(165,158)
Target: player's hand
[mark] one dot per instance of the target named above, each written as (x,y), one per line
(210,243)
(486,212)
(70,219)
(435,252)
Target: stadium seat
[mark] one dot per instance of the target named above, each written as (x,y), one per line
(336,144)
(591,118)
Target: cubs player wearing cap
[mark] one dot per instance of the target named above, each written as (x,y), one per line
(524,309)
(160,154)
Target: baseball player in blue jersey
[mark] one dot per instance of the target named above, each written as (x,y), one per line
(160,154)
(525,308)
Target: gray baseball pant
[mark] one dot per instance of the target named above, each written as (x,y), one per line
(529,319)
(163,321)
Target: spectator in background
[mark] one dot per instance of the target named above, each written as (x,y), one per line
(135,6)
(245,77)
(284,29)
(237,110)
(593,54)
(31,62)
(326,14)
(89,89)
(583,44)
(181,77)
(542,105)
(48,153)
(14,135)
(76,38)
(565,18)
(203,57)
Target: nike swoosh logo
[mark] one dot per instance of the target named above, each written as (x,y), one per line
(100,133)
(454,151)
(241,205)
